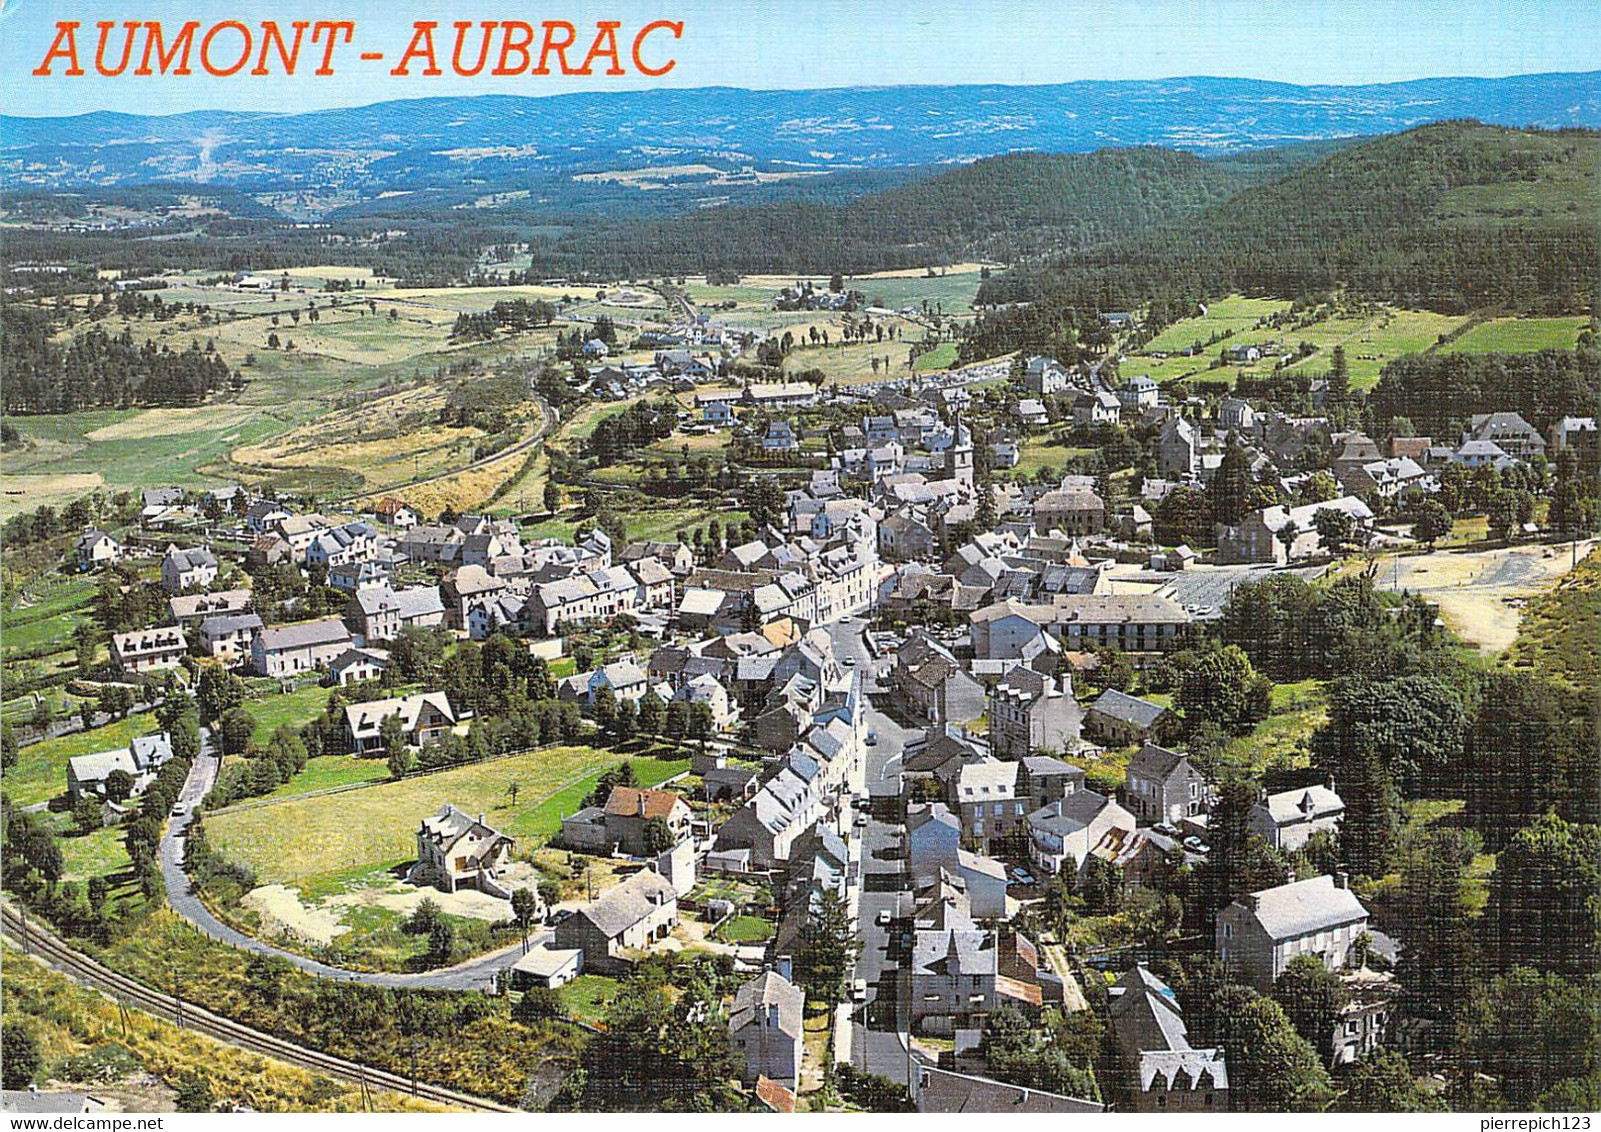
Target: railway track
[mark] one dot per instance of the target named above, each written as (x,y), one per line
(51,949)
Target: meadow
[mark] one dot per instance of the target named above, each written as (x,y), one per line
(1371,338)
(1517,336)
(295,841)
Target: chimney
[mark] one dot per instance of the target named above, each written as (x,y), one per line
(1329,783)
(785,966)
(642,803)
(1251,901)
(772,1015)
(1342,879)
(481,820)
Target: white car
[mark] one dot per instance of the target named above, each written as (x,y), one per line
(859,990)
(883,918)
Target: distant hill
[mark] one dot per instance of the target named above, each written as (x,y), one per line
(997,208)
(1452,216)
(399,146)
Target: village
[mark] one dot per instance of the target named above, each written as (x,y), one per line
(925,719)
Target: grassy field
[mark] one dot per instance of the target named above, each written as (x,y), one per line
(587,997)
(307,837)
(332,770)
(1371,338)
(278,709)
(1517,336)
(661,523)
(41,770)
(746,929)
(57,603)
(1044,451)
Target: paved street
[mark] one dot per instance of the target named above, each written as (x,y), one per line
(876,1045)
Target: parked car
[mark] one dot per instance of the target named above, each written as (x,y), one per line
(859,990)
(872,738)
(884,917)
(1022,876)
(850,662)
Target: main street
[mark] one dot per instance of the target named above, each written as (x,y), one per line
(877,1042)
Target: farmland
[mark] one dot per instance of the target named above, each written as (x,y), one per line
(1371,337)
(1517,336)
(298,840)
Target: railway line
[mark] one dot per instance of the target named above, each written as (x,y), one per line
(56,953)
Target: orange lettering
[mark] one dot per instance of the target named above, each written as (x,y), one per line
(153,40)
(65,47)
(105,27)
(559,47)
(606,33)
(521,45)
(462,27)
(421,47)
(270,36)
(674,26)
(334,28)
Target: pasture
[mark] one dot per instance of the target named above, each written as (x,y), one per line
(295,841)
(1517,336)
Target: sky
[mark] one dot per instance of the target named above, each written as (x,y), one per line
(793,44)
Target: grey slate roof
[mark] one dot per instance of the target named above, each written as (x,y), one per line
(1129,709)
(1292,910)
(769,989)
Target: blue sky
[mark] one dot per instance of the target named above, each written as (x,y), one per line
(830,43)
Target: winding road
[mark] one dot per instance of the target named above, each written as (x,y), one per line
(475,974)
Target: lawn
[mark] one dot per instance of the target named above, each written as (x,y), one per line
(1036,452)
(942,356)
(278,709)
(307,837)
(96,854)
(1372,337)
(746,929)
(1517,336)
(41,770)
(587,997)
(59,604)
(1236,313)
(852,364)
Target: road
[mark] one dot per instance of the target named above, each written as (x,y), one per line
(877,1041)
(55,953)
(475,974)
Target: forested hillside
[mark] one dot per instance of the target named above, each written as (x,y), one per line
(1000,208)
(1450,217)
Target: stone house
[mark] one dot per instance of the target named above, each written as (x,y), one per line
(456,850)
(1163,786)
(1258,934)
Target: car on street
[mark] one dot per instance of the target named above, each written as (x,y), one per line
(872,738)
(884,917)
(850,662)
(861,821)
(180,809)
(859,990)
(1022,876)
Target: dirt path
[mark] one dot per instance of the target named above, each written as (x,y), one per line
(1481,593)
